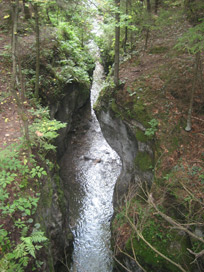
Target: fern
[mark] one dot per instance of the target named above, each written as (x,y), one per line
(19,258)
(38,237)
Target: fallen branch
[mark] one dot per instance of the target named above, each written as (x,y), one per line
(153,248)
(135,257)
(191,194)
(129,256)
(121,264)
(173,222)
(197,255)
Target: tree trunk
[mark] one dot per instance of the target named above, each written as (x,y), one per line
(197,61)
(148,21)
(131,31)
(26,10)
(48,17)
(117,43)
(148,6)
(156,5)
(37,33)
(14,42)
(126,28)
(19,101)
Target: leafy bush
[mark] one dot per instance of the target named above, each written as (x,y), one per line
(19,258)
(75,61)
(43,130)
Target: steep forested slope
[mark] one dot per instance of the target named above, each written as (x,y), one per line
(158,226)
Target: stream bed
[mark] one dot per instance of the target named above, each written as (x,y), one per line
(89,170)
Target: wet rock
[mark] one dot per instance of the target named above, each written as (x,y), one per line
(121,138)
(52,214)
(86,126)
(97,161)
(86,158)
(76,96)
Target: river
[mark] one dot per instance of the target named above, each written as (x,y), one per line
(89,170)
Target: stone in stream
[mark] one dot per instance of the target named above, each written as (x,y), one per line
(86,158)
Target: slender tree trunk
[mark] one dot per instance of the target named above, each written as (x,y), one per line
(37,33)
(148,6)
(201,79)
(14,42)
(147,38)
(19,101)
(117,43)
(149,21)
(197,60)
(24,116)
(26,10)
(156,5)
(131,31)
(126,28)
(48,17)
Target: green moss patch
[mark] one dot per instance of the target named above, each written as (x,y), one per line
(139,112)
(165,241)
(140,136)
(158,49)
(144,161)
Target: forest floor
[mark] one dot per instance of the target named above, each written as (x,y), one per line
(162,77)
(9,120)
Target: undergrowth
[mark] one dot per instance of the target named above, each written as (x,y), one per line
(22,176)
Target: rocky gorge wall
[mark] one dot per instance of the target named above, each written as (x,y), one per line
(127,137)
(137,155)
(53,208)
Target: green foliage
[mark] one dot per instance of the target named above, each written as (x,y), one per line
(18,204)
(4,240)
(42,133)
(26,205)
(153,127)
(105,42)
(76,61)
(192,40)
(19,258)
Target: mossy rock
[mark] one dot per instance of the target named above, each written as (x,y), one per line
(103,99)
(168,242)
(141,137)
(143,161)
(140,113)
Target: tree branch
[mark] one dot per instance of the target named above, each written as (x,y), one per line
(153,248)
(173,222)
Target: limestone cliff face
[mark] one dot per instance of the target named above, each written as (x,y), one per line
(76,95)
(127,137)
(53,216)
(137,155)
(53,208)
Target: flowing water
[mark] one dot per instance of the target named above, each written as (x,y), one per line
(89,170)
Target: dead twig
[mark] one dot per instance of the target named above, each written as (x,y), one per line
(172,221)
(121,264)
(197,255)
(153,248)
